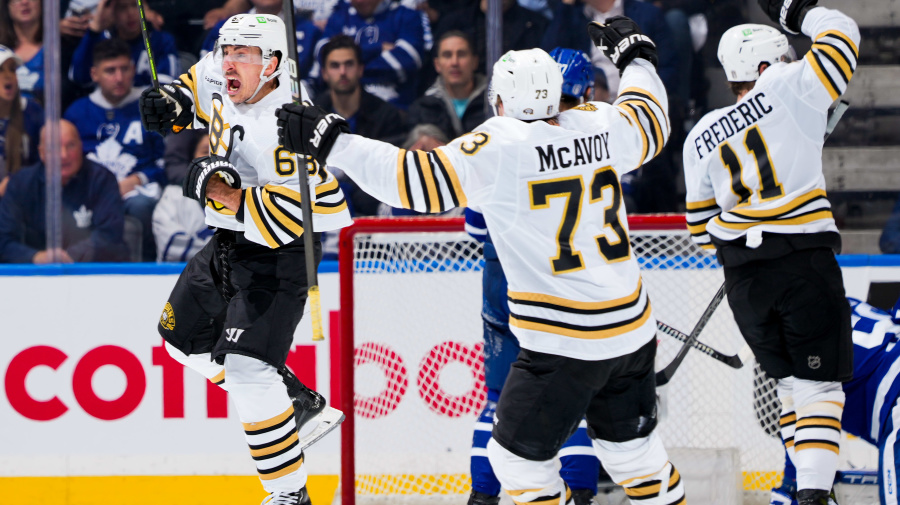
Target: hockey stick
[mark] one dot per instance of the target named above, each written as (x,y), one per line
(665,375)
(312,276)
(835,117)
(732,361)
(146,36)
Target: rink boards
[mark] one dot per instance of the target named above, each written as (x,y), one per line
(92,405)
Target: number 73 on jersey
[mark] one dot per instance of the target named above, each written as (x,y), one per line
(571,189)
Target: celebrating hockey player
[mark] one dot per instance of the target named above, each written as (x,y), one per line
(579,465)
(547,183)
(755,192)
(233,311)
(872,412)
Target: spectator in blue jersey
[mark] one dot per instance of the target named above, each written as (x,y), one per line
(393,40)
(21,29)
(120,19)
(367,115)
(109,122)
(872,411)
(20,121)
(93,217)
(455,102)
(308,34)
(522,28)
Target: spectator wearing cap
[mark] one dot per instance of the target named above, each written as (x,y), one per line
(93,217)
(455,102)
(20,121)
(109,122)
(121,19)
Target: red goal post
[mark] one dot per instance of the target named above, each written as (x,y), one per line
(410,324)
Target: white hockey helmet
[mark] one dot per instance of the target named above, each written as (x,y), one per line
(744,47)
(264,31)
(530,84)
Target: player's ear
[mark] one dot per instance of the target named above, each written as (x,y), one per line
(762,67)
(273,63)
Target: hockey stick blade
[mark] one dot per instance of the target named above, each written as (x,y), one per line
(665,375)
(732,361)
(329,419)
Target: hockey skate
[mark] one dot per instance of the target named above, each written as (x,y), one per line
(296,498)
(582,497)
(478,498)
(308,406)
(816,497)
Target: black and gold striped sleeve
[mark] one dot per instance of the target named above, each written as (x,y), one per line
(831,61)
(833,58)
(646,114)
(428,182)
(275,211)
(698,215)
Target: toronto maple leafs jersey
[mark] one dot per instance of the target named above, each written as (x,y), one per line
(113,136)
(392,74)
(246,134)
(165,56)
(875,387)
(756,166)
(551,198)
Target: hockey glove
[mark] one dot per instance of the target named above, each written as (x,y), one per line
(309,130)
(165,109)
(621,41)
(788,13)
(201,170)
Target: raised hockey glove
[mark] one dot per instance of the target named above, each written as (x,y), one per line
(166,109)
(788,13)
(309,130)
(621,41)
(201,170)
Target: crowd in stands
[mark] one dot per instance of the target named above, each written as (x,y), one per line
(409,72)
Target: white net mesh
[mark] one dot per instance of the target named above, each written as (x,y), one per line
(419,380)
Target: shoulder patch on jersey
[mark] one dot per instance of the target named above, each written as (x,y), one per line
(586,106)
(167,319)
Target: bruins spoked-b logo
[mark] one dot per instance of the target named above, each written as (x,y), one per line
(167,319)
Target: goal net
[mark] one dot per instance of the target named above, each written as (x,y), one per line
(411,346)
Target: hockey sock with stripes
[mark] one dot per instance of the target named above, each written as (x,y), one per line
(642,468)
(817,435)
(527,481)
(267,415)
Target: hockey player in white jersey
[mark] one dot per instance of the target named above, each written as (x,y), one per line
(548,185)
(756,193)
(872,412)
(234,310)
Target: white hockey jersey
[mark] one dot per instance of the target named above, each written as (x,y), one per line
(246,135)
(552,201)
(757,166)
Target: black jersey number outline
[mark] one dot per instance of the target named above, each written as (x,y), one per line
(478,139)
(568,259)
(756,145)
